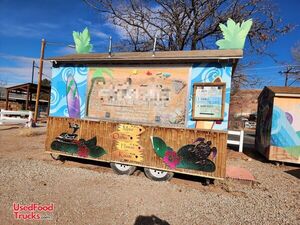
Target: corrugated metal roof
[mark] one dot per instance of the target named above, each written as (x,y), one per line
(177,56)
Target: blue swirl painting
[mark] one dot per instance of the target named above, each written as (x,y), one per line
(283,133)
(68,92)
(210,72)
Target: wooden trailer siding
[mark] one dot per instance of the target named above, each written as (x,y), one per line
(174,138)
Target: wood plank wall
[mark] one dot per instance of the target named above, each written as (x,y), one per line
(174,137)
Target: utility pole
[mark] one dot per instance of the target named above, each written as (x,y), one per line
(287,72)
(37,98)
(32,71)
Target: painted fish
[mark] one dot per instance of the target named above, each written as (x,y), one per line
(72,96)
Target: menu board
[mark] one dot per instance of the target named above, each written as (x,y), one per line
(208,101)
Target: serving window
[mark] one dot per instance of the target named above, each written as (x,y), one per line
(208,101)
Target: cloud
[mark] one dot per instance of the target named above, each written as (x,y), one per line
(20,69)
(98,34)
(120,31)
(18,59)
(26,30)
(85,22)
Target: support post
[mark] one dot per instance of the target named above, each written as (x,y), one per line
(7,99)
(241,141)
(30,101)
(39,81)
(1,116)
(27,98)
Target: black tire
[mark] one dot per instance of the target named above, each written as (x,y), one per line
(57,157)
(208,181)
(158,175)
(122,169)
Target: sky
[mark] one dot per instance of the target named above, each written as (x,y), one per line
(24,23)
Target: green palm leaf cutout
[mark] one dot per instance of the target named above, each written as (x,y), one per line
(234,34)
(82,41)
(159,146)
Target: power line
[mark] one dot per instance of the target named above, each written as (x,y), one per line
(268,67)
(287,72)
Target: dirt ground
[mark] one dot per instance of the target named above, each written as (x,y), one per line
(85,192)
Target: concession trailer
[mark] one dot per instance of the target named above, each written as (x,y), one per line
(164,111)
(278,124)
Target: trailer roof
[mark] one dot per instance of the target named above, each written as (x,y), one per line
(149,57)
(284,90)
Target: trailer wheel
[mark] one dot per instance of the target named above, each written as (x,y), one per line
(122,169)
(158,175)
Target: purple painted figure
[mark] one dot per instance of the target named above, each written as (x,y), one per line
(73,101)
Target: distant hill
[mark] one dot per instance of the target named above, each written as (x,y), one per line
(242,104)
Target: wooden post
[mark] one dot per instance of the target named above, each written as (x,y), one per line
(37,98)
(7,99)
(241,141)
(30,101)
(27,98)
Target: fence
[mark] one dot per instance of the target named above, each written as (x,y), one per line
(240,143)
(14,117)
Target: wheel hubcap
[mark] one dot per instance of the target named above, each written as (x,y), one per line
(158,173)
(122,167)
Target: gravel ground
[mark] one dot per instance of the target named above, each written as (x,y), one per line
(88,194)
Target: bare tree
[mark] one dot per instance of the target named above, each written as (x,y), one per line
(188,24)
(191,25)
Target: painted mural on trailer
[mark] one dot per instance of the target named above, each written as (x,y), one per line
(145,94)
(70,144)
(210,73)
(285,131)
(195,156)
(68,92)
(150,95)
